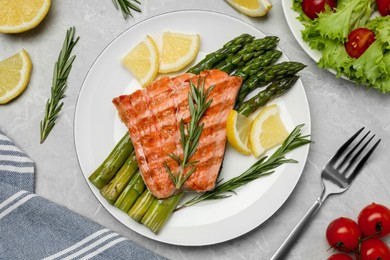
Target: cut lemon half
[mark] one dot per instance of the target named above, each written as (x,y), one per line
(15,74)
(21,15)
(178,50)
(253,8)
(142,61)
(267,131)
(237,130)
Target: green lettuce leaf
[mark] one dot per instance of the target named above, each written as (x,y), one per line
(381,27)
(313,37)
(362,14)
(336,25)
(383,84)
(369,67)
(334,56)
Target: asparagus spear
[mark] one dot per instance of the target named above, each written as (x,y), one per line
(267,75)
(142,204)
(160,211)
(229,48)
(253,49)
(274,90)
(106,171)
(258,64)
(112,190)
(130,194)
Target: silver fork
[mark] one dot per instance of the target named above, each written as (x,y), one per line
(336,177)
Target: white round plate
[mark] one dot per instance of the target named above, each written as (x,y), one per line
(97,129)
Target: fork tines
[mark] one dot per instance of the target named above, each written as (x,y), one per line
(353,154)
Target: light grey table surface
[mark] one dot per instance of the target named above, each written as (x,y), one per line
(338,108)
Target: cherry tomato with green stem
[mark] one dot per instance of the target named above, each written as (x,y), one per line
(343,234)
(374,219)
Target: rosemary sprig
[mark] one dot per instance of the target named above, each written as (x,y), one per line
(264,166)
(59,84)
(190,133)
(126,6)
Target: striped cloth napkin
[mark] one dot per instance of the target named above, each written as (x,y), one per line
(32,227)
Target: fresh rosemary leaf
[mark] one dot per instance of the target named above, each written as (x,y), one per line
(190,133)
(61,72)
(126,6)
(264,166)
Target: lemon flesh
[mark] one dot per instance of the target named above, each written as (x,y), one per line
(15,74)
(178,50)
(22,15)
(237,131)
(267,131)
(253,8)
(143,61)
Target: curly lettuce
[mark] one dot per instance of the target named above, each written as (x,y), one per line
(373,67)
(335,57)
(337,25)
(381,27)
(330,31)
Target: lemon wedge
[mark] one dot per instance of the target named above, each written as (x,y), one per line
(143,61)
(178,50)
(237,130)
(15,74)
(22,15)
(267,130)
(253,8)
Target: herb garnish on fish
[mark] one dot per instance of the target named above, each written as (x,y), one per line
(190,133)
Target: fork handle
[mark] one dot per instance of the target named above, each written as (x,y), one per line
(292,238)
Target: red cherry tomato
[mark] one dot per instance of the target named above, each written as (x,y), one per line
(383,7)
(358,41)
(313,7)
(343,234)
(373,218)
(373,249)
(340,257)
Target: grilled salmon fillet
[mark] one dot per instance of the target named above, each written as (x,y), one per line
(153,117)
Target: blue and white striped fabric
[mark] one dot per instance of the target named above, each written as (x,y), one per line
(32,227)
(15,167)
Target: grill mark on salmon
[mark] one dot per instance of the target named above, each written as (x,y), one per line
(213,137)
(153,116)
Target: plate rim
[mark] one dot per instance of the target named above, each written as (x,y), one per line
(287,12)
(102,202)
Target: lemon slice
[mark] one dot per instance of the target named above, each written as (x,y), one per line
(237,131)
(253,8)
(178,50)
(267,131)
(22,15)
(15,74)
(142,61)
